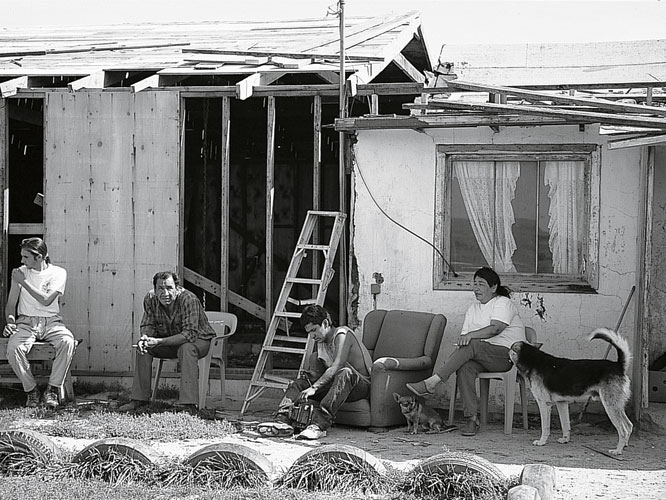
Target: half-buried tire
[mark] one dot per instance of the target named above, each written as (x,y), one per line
(112,447)
(331,452)
(458,463)
(30,443)
(224,456)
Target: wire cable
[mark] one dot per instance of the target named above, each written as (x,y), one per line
(358,167)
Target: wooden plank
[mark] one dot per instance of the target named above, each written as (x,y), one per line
(247,305)
(245,87)
(67,196)
(644,140)
(10,87)
(408,68)
(156,196)
(4,200)
(316,182)
(224,200)
(152,81)
(15,228)
(590,116)
(445,121)
(94,80)
(270,197)
(295,55)
(558,98)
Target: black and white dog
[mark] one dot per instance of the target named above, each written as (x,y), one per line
(559,381)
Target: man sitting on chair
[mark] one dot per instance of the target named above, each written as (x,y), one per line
(174,325)
(33,314)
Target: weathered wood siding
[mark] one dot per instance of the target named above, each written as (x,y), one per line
(111,211)
(656,328)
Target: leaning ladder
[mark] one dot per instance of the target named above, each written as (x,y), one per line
(262,378)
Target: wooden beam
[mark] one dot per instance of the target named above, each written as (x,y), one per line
(533,95)
(330,77)
(374,104)
(295,55)
(587,116)
(224,202)
(247,305)
(10,87)
(4,199)
(408,68)
(316,181)
(92,81)
(645,140)
(151,82)
(443,121)
(270,198)
(27,228)
(245,88)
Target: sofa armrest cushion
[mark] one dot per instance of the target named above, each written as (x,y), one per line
(402,364)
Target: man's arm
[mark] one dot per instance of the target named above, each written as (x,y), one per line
(44,298)
(10,310)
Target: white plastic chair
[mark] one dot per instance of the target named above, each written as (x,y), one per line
(225,325)
(509,379)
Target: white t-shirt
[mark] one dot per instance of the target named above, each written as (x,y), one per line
(501,309)
(53,278)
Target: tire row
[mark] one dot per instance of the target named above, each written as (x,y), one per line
(537,481)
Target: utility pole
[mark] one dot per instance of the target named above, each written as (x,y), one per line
(341,170)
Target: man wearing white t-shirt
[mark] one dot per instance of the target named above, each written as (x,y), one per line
(33,314)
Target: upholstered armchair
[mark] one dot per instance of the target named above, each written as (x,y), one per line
(404,347)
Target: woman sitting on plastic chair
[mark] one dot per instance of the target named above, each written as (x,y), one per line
(491,326)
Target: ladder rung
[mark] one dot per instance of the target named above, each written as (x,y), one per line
(264,383)
(288,338)
(277,348)
(326,214)
(307,281)
(287,314)
(302,302)
(315,247)
(275,378)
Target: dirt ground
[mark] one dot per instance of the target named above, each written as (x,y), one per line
(582,471)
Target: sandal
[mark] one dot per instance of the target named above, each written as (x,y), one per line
(275,429)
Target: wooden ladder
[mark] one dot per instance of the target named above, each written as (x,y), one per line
(291,344)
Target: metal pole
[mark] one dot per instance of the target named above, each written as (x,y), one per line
(341,173)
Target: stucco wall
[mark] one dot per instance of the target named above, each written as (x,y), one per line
(399,169)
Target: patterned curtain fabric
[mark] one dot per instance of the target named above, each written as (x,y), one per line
(565,182)
(487,189)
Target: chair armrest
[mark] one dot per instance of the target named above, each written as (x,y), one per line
(402,364)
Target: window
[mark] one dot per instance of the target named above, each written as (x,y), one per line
(529,212)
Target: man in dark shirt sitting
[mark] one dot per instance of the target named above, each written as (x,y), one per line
(174,325)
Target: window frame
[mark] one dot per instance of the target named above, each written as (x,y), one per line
(444,279)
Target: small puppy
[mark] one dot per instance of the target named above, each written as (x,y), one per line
(418,415)
(560,381)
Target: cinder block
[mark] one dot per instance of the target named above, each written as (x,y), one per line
(657,386)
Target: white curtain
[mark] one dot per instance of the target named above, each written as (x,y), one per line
(487,189)
(565,182)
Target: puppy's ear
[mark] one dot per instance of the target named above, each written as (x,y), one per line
(396,396)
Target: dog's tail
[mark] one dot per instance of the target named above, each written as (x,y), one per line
(617,341)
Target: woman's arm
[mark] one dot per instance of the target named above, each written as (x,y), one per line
(494,328)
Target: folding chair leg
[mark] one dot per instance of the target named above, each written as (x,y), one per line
(204,373)
(452,403)
(509,403)
(484,391)
(158,373)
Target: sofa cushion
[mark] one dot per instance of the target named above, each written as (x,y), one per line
(403,334)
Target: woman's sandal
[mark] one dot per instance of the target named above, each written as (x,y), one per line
(419,388)
(275,429)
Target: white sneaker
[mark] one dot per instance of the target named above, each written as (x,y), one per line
(312,431)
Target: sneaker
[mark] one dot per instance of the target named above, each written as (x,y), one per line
(133,405)
(471,428)
(50,397)
(33,397)
(312,431)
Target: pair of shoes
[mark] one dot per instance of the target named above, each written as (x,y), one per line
(275,429)
(33,397)
(312,431)
(133,405)
(190,408)
(419,388)
(50,397)
(471,428)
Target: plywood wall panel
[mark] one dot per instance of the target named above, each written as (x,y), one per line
(111,216)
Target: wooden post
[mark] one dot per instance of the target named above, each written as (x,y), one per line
(224,208)
(648,96)
(270,193)
(4,202)
(342,275)
(316,183)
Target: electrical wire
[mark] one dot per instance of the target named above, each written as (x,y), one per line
(358,168)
